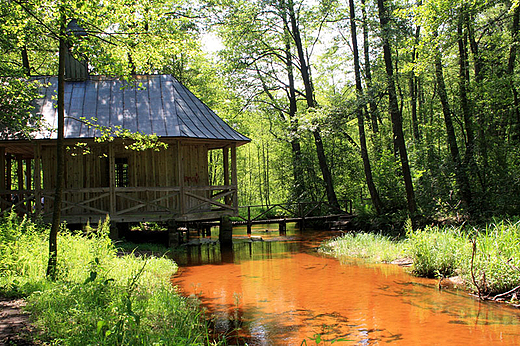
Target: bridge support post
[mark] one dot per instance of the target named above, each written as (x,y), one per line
(225,231)
(206,231)
(302,216)
(173,235)
(249,223)
(282,227)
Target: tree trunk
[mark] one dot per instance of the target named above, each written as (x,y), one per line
(298,171)
(478,114)
(25,62)
(60,159)
(311,103)
(511,63)
(368,72)
(393,107)
(460,174)
(374,195)
(463,83)
(413,90)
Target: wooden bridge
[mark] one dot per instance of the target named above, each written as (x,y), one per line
(300,212)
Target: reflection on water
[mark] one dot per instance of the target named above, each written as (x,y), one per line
(281,292)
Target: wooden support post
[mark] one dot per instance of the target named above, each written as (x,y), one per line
(112,180)
(8,173)
(234,176)
(226,231)
(225,155)
(249,222)
(113,232)
(173,237)
(3,177)
(180,178)
(302,216)
(282,227)
(28,181)
(8,178)
(20,176)
(37,179)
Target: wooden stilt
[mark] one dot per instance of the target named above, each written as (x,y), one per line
(226,231)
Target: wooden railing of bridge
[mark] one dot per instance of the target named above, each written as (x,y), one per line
(282,213)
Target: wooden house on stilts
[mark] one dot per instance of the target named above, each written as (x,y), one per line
(130,186)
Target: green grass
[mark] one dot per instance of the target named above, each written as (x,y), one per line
(100,298)
(437,251)
(373,247)
(446,251)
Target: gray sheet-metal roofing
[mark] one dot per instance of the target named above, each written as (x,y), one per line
(153,104)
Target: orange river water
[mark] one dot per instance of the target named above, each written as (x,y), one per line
(281,291)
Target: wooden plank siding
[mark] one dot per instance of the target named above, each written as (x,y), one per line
(154,181)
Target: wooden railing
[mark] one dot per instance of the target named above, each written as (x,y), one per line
(287,212)
(129,204)
(299,210)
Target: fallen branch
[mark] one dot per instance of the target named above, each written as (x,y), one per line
(505,293)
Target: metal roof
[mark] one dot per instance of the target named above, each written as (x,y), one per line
(152,104)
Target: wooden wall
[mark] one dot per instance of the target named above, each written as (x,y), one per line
(146,169)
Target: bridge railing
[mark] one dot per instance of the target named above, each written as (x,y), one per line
(297,210)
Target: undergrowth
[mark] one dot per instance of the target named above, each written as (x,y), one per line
(374,247)
(100,298)
(489,267)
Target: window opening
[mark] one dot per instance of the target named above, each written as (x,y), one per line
(121,168)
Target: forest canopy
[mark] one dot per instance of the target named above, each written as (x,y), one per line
(400,106)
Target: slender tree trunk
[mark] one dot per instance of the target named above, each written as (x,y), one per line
(25,61)
(374,195)
(395,114)
(60,153)
(478,114)
(298,171)
(414,90)
(311,103)
(368,72)
(463,83)
(511,64)
(460,174)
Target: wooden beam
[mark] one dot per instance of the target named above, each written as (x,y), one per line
(19,162)
(2,168)
(234,181)
(20,172)
(111,179)
(225,154)
(8,172)
(180,170)
(3,177)
(28,180)
(37,178)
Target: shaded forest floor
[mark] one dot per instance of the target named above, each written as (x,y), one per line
(15,325)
